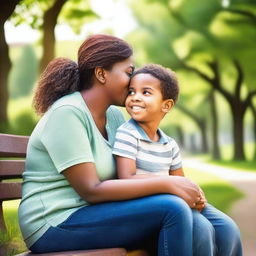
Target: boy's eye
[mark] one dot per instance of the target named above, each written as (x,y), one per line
(131,93)
(146,93)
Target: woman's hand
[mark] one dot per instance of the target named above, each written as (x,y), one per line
(202,203)
(187,190)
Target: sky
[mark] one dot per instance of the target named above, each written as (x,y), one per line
(115,15)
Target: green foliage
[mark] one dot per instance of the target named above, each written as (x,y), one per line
(24,73)
(4,127)
(23,124)
(11,240)
(182,33)
(22,116)
(74,12)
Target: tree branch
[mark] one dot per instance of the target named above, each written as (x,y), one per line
(190,114)
(248,100)
(216,83)
(198,72)
(247,14)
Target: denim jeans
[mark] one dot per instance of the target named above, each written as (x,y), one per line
(163,222)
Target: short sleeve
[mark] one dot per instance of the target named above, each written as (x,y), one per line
(125,144)
(65,138)
(176,156)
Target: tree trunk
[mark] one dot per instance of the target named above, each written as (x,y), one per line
(7,9)
(254,130)
(201,123)
(238,112)
(50,21)
(204,144)
(180,136)
(254,120)
(216,147)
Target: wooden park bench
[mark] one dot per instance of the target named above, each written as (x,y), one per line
(11,148)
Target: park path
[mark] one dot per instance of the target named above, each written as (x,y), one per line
(244,209)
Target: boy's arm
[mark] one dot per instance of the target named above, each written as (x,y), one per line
(126,169)
(177,172)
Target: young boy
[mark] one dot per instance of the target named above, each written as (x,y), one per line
(143,150)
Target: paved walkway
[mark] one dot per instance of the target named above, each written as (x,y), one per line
(243,210)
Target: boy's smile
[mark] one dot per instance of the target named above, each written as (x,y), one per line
(136,108)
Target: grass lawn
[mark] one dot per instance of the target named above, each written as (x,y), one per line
(218,192)
(239,165)
(12,238)
(247,165)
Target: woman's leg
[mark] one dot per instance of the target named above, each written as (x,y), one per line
(227,234)
(125,224)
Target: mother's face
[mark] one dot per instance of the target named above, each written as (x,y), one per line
(117,81)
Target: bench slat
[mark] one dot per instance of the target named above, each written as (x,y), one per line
(11,169)
(98,252)
(10,191)
(13,145)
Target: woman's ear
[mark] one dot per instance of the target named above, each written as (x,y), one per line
(167,105)
(100,74)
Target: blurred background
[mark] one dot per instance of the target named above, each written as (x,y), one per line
(209,44)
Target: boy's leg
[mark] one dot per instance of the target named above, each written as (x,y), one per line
(203,235)
(125,224)
(227,234)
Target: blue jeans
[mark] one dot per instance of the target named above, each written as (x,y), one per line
(165,221)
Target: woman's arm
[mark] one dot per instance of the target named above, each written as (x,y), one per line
(83,178)
(202,202)
(126,169)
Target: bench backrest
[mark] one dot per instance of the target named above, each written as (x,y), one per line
(11,148)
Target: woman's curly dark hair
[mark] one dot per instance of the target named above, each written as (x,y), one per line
(60,77)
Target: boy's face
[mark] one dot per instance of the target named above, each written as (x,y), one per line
(145,102)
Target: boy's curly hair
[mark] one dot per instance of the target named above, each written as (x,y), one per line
(167,78)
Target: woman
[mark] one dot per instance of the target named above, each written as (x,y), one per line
(71,199)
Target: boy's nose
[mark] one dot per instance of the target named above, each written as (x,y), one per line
(136,97)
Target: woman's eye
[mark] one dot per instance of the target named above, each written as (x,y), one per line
(146,93)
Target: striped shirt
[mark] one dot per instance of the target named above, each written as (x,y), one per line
(156,157)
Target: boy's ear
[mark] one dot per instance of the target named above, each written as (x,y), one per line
(100,74)
(167,105)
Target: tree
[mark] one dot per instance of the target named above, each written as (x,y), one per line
(44,15)
(49,22)
(210,35)
(7,8)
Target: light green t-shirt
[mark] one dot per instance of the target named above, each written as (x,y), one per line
(66,135)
